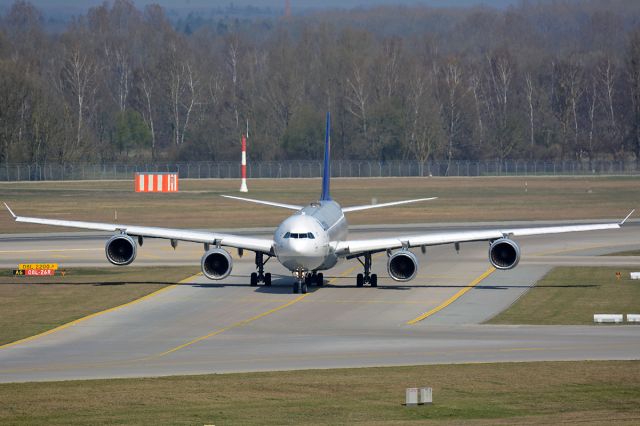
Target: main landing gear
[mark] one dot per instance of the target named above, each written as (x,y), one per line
(304,280)
(367,277)
(260,276)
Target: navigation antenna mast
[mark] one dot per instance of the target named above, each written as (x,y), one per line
(287,9)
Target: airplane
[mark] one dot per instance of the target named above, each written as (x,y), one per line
(315,239)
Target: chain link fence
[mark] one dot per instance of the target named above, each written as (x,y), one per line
(307,169)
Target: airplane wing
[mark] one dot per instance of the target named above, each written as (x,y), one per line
(393,203)
(228,240)
(356,247)
(266,203)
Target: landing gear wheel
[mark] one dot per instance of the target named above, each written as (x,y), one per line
(320,279)
(374,280)
(254,279)
(296,287)
(267,279)
(304,288)
(359,280)
(308,279)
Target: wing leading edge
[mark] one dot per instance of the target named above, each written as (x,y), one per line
(346,248)
(228,240)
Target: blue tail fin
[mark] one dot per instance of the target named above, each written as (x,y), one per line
(326,172)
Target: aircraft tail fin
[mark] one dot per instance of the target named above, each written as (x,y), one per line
(326,171)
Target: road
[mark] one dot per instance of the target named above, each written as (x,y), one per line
(228,326)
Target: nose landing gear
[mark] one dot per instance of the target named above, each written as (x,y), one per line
(260,276)
(304,280)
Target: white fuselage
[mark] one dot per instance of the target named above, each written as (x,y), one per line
(306,241)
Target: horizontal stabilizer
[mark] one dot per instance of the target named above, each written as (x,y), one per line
(266,203)
(394,203)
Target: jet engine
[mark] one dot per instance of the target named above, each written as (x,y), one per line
(216,264)
(504,254)
(120,250)
(402,265)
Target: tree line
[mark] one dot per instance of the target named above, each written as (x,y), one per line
(541,80)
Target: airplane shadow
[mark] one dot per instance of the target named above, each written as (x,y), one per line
(279,285)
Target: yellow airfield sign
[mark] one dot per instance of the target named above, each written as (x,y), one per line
(38,266)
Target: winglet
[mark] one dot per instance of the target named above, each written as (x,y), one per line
(10,211)
(628,216)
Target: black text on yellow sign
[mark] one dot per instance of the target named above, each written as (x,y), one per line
(32,266)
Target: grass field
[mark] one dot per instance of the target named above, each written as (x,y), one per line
(506,393)
(198,204)
(571,295)
(29,306)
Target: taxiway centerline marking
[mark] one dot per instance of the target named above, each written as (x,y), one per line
(234,325)
(95,314)
(453,298)
(245,322)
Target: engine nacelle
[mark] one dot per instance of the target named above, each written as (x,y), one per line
(402,265)
(120,250)
(504,253)
(216,264)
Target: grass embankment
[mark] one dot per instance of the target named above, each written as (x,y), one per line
(29,306)
(550,393)
(198,204)
(571,295)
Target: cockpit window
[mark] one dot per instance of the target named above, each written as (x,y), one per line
(299,235)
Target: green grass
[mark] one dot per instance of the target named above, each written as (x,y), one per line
(550,393)
(571,295)
(198,204)
(29,306)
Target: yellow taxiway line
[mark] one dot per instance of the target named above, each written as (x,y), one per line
(234,325)
(79,320)
(247,321)
(453,298)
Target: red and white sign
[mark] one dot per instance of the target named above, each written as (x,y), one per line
(39,272)
(156,182)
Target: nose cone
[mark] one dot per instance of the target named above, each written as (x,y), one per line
(300,252)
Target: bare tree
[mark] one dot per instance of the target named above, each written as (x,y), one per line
(78,81)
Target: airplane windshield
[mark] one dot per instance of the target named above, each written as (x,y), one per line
(299,235)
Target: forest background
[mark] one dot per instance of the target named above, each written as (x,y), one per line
(540,80)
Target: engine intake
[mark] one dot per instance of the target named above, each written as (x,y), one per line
(120,250)
(504,254)
(402,265)
(216,264)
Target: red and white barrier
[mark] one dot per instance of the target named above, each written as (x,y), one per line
(243,185)
(156,182)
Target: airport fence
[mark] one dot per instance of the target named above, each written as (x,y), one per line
(307,169)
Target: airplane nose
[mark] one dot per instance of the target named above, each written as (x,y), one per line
(296,254)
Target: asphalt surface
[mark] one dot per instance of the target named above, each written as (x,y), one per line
(228,326)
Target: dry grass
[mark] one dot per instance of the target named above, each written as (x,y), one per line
(508,393)
(198,204)
(571,295)
(30,306)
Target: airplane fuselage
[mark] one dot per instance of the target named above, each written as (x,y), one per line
(305,241)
